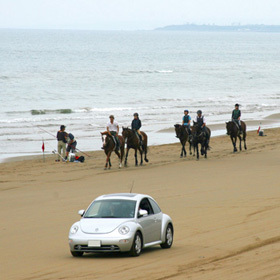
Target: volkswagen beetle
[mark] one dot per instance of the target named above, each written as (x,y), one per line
(120,223)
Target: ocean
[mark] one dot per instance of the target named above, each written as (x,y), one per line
(78,78)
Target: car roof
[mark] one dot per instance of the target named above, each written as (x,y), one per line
(127,196)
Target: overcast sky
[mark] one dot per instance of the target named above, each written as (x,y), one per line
(134,14)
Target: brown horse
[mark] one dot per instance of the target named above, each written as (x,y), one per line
(233,131)
(109,146)
(183,136)
(199,137)
(133,142)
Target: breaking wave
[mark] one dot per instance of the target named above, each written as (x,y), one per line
(58,111)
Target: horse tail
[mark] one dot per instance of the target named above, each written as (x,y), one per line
(145,142)
(244,127)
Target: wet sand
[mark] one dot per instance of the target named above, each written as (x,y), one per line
(225,210)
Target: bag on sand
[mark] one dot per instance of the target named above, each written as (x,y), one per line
(81,158)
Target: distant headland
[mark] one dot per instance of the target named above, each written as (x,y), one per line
(221,28)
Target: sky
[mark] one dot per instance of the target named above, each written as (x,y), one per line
(134,14)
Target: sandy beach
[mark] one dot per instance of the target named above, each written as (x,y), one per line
(225,210)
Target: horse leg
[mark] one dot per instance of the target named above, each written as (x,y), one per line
(125,161)
(107,160)
(197,152)
(185,152)
(244,139)
(182,150)
(141,155)
(135,156)
(234,144)
(146,151)
(202,146)
(119,156)
(240,146)
(190,148)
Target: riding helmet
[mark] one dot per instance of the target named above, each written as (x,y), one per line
(135,115)
(186,110)
(237,105)
(199,112)
(111,117)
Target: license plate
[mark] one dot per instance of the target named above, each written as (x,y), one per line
(94,243)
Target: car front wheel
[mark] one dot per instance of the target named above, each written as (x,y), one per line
(136,248)
(77,254)
(168,238)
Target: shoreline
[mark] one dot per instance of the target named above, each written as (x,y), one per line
(92,153)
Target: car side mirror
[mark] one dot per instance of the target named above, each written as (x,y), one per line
(81,212)
(142,213)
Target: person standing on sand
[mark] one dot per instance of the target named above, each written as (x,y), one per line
(236,115)
(136,125)
(61,142)
(113,130)
(186,122)
(72,144)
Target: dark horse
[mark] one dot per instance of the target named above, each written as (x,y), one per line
(109,146)
(133,142)
(199,137)
(183,136)
(233,132)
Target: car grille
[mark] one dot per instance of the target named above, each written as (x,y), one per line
(103,248)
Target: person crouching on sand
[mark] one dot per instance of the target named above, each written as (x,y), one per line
(72,144)
(61,142)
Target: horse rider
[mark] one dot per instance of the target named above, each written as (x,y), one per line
(187,121)
(136,125)
(200,120)
(236,115)
(113,130)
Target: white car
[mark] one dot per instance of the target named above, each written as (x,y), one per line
(123,222)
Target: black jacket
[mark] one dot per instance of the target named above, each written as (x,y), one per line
(136,124)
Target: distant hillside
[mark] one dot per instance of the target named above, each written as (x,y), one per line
(232,28)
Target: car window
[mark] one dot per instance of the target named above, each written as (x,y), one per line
(111,208)
(155,206)
(145,205)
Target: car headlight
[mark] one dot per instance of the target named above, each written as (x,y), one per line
(124,230)
(74,229)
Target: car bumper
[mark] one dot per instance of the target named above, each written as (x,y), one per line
(107,244)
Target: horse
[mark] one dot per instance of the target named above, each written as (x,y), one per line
(133,142)
(233,132)
(198,137)
(183,135)
(109,146)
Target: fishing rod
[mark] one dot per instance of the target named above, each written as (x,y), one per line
(55,137)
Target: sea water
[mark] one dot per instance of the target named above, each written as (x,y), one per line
(79,78)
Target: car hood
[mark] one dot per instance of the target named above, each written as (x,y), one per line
(98,226)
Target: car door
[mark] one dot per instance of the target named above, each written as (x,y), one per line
(147,222)
(157,216)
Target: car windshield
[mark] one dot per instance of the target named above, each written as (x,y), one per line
(111,208)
